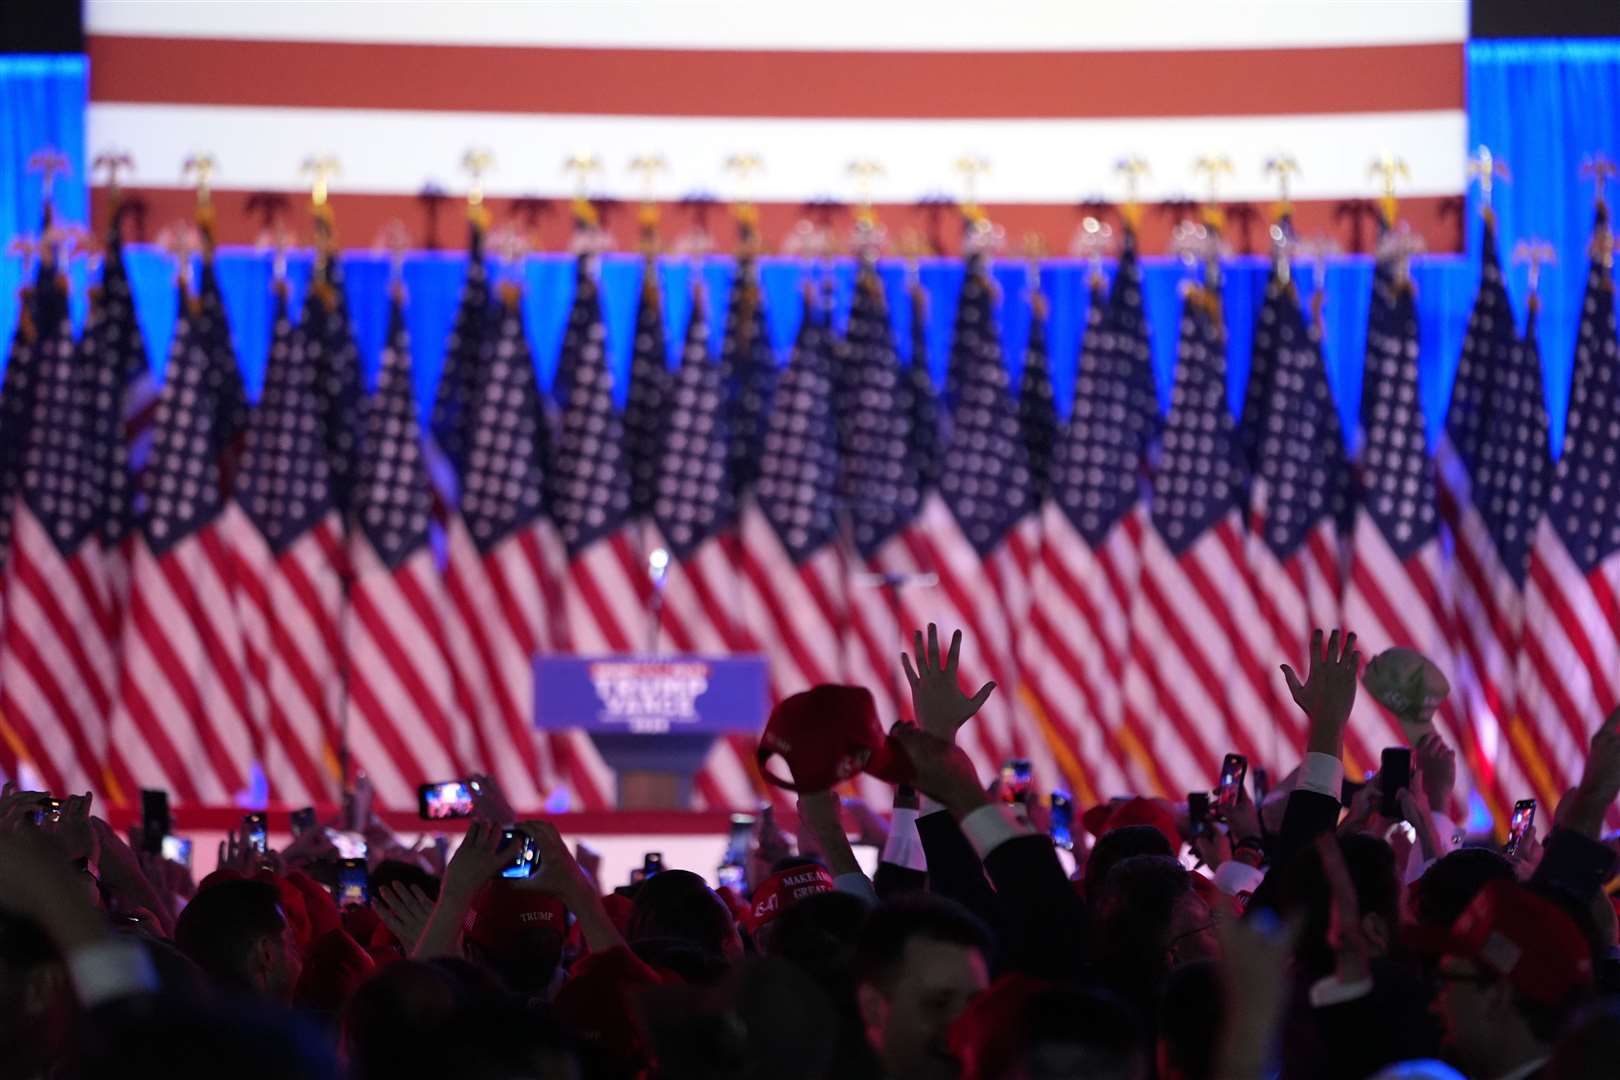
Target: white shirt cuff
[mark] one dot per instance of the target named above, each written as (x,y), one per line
(856,884)
(904,846)
(1233,877)
(1323,774)
(110,969)
(1330,991)
(988,827)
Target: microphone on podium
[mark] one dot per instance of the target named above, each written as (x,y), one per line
(658,574)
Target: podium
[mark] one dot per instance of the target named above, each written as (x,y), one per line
(652,718)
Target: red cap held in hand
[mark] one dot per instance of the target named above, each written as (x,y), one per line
(827,734)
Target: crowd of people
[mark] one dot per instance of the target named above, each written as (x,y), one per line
(1308,935)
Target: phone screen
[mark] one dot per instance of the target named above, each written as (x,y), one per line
(526,860)
(353,883)
(177,849)
(441,802)
(1260,780)
(1233,769)
(733,877)
(303,820)
(742,827)
(1062,826)
(1015,778)
(1394,776)
(653,863)
(258,836)
(1523,823)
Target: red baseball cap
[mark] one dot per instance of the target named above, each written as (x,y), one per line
(1105,818)
(501,912)
(987,1037)
(782,890)
(826,735)
(1527,938)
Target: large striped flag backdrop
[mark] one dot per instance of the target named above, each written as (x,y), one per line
(1052,93)
(1569,667)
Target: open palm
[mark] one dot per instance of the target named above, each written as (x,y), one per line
(936,696)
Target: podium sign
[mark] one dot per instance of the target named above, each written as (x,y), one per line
(653,718)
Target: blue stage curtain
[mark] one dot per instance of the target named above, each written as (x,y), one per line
(433,283)
(42,103)
(1543,106)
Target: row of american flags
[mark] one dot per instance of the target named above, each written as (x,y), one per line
(248,604)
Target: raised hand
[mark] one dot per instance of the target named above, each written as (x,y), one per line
(1438,763)
(405,910)
(479,858)
(936,696)
(562,877)
(489,801)
(1328,692)
(1600,781)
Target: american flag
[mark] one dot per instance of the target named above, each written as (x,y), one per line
(1299,496)
(1184,686)
(962,532)
(695,520)
(882,491)
(1494,470)
(16,395)
(335,358)
(58,646)
(131,378)
(1051,759)
(1395,593)
(287,545)
(794,607)
(748,364)
(1051,93)
(182,719)
(1074,651)
(605,586)
(461,379)
(647,398)
(406,716)
(1569,667)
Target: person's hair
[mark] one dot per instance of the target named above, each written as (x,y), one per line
(398,1010)
(1066,1021)
(400,872)
(1302,889)
(1190,1017)
(894,925)
(201,1040)
(678,922)
(1133,924)
(1590,1045)
(220,926)
(819,934)
(1447,888)
(1115,847)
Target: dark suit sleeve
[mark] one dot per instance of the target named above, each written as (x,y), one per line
(954,870)
(1044,923)
(893,880)
(1308,815)
(1575,864)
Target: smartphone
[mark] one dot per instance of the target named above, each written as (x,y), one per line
(155,822)
(50,809)
(303,820)
(1062,818)
(258,835)
(526,859)
(353,883)
(1198,812)
(1394,776)
(1234,767)
(742,828)
(1015,781)
(652,863)
(1523,823)
(175,849)
(734,877)
(443,801)
(1260,780)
